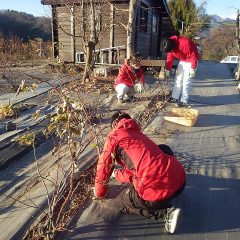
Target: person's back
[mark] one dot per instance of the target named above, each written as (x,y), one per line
(156,176)
(185,50)
(127,75)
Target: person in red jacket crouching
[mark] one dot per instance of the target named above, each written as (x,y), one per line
(129,74)
(155,176)
(186,51)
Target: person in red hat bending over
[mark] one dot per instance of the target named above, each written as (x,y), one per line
(186,51)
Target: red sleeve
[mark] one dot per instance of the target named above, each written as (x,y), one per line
(122,74)
(104,170)
(140,76)
(170,59)
(124,175)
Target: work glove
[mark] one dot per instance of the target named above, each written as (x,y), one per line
(94,195)
(192,73)
(167,74)
(113,174)
(139,87)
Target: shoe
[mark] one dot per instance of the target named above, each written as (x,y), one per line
(132,99)
(173,100)
(172,219)
(184,105)
(120,101)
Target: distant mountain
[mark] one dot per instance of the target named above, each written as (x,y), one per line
(25,26)
(215,19)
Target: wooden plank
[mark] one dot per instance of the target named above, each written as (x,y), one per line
(152,63)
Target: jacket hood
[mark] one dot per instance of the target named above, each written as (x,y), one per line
(176,39)
(127,124)
(127,65)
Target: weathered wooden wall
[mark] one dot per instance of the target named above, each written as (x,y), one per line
(64,33)
(67,18)
(120,24)
(114,19)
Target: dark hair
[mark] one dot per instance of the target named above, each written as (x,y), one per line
(118,116)
(168,45)
(134,58)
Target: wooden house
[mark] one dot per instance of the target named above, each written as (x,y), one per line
(71,28)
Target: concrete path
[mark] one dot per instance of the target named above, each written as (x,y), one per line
(210,151)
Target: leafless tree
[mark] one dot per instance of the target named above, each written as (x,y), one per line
(220,43)
(131,27)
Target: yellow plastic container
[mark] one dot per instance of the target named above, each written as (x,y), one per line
(183,116)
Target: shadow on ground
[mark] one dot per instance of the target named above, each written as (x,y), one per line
(215,100)
(207,207)
(208,120)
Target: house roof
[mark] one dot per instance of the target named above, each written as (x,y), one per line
(59,2)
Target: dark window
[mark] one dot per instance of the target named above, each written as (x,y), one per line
(143,23)
(80,57)
(154,23)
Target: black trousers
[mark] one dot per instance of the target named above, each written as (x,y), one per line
(132,203)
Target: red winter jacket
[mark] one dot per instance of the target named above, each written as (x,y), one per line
(127,75)
(185,51)
(154,175)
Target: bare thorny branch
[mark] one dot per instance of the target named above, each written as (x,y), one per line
(67,132)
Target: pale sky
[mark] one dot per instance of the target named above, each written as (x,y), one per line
(33,7)
(223,8)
